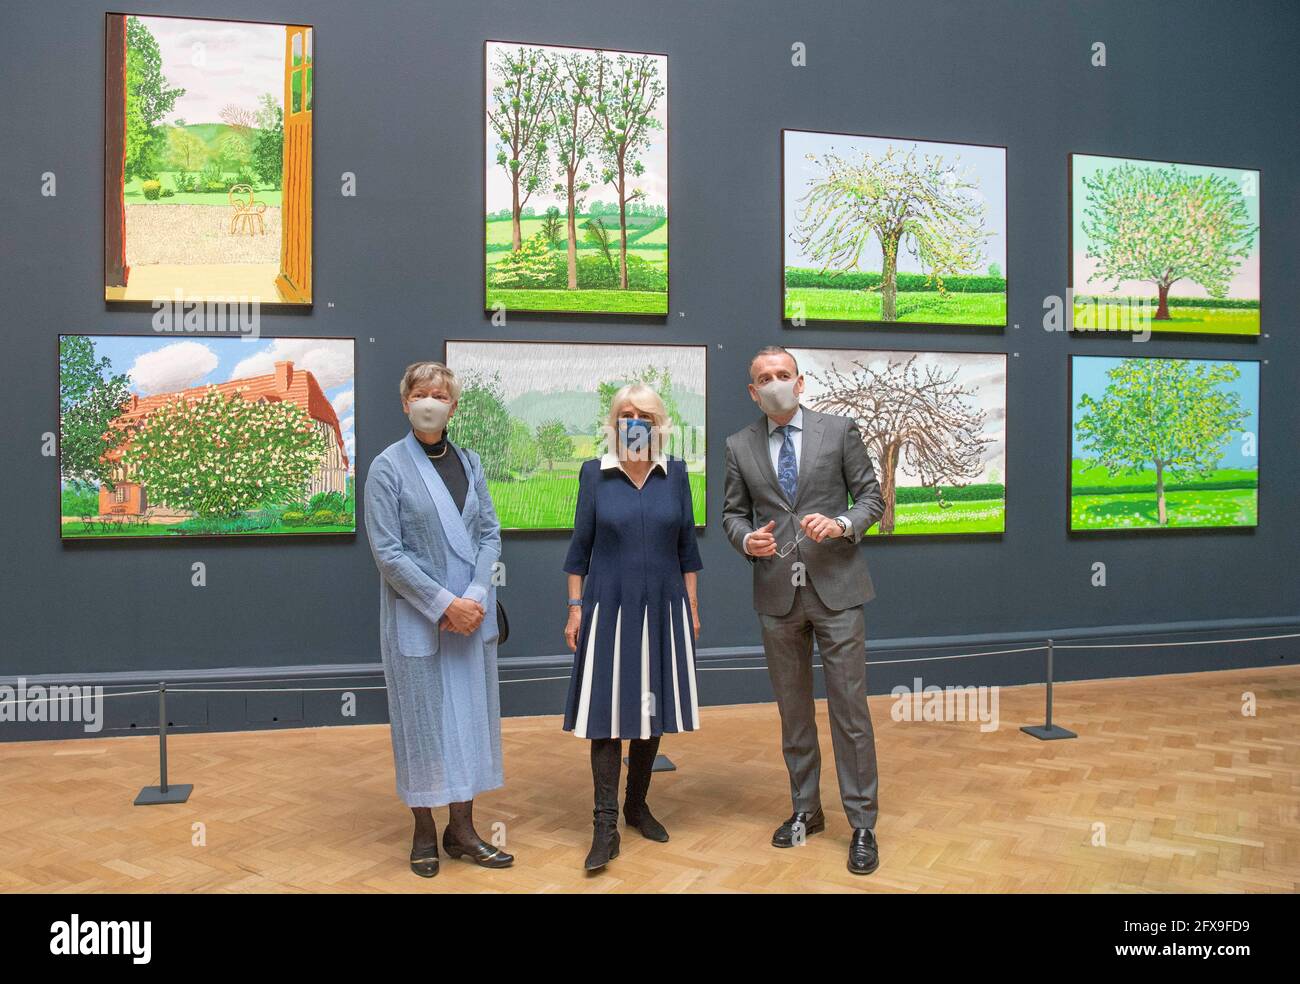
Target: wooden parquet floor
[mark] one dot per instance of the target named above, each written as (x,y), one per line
(1190,794)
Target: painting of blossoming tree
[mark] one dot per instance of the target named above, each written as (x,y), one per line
(218,437)
(1164,247)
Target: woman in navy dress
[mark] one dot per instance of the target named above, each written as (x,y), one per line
(633,614)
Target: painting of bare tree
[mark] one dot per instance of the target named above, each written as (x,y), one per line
(934,424)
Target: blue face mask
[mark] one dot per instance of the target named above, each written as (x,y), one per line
(634,433)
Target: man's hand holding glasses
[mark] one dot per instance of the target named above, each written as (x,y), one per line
(761,542)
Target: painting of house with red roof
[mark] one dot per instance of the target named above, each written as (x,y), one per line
(206,436)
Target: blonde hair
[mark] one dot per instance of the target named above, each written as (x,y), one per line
(432,373)
(641,397)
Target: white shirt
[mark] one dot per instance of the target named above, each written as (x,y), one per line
(611,460)
(775,439)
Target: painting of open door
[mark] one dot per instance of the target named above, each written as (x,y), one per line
(208,160)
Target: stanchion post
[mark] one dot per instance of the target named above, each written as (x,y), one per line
(163,793)
(1048,731)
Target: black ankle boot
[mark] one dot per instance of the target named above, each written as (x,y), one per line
(606,763)
(640,762)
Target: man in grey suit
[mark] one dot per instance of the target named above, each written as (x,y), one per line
(790,477)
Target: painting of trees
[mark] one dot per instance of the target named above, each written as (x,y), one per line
(483,423)
(561,121)
(911,413)
(519,115)
(573,125)
(628,88)
(1164,224)
(1173,416)
(148,100)
(91,396)
(901,199)
(553,442)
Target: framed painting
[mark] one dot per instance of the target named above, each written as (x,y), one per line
(207,160)
(885,230)
(576,180)
(934,424)
(1163,246)
(205,436)
(534,411)
(1163,444)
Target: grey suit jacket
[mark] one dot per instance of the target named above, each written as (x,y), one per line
(833,465)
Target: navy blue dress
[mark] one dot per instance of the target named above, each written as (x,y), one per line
(634,669)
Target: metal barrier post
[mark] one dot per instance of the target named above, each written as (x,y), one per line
(163,793)
(1048,731)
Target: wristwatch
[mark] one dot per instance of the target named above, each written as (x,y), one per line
(844,527)
(577,602)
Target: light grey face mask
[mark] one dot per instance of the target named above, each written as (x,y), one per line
(777,396)
(428,415)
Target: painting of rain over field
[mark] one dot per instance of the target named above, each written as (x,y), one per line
(577,180)
(893,231)
(1163,443)
(208,157)
(1164,247)
(206,436)
(934,424)
(535,411)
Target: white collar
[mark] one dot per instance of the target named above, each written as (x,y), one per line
(796,421)
(610,460)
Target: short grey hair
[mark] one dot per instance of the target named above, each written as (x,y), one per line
(772,350)
(422,373)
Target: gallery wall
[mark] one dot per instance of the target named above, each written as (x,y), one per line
(399,266)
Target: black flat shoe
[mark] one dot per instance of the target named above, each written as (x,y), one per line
(425,862)
(864,853)
(482,854)
(812,823)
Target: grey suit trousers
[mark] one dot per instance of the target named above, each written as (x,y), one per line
(841,639)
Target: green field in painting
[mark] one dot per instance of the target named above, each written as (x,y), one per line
(1191,319)
(594,301)
(641,228)
(1227,497)
(921,307)
(976,516)
(77,529)
(547,499)
(647,251)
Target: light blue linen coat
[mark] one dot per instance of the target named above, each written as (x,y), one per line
(443,698)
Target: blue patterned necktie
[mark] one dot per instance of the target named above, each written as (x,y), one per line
(787,470)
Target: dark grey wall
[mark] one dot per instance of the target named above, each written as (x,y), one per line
(398,102)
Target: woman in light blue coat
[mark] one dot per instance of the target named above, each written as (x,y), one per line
(435,539)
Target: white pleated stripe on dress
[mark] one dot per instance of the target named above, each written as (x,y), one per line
(584,701)
(613,689)
(690,666)
(672,650)
(647,698)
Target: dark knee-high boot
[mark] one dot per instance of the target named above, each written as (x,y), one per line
(640,761)
(606,764)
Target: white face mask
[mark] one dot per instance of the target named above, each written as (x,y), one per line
(777,396)
(428,414)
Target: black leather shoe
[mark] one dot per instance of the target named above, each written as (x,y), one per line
(482,853)
(864,853)
(813,823)
(425,862)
